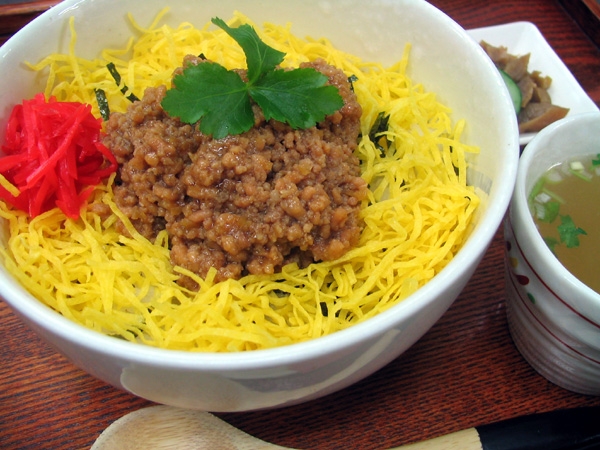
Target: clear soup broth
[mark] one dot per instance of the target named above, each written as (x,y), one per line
(565,204)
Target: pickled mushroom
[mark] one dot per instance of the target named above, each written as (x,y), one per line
(536,116)
(536,110)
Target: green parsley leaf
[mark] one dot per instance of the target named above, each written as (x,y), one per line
(210,92)
(220,100)
(298,97)
(260,58)
(568,232)
(596,162)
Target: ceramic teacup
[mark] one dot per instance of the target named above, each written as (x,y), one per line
(554,318)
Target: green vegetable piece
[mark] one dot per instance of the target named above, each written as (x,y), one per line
(298,97)
(102,103)
(596,161)
(537,188)
(210,92)
(376,134)
(551,210)
(513,90)
(352,79)
(260,58)
(112,69)
(220,100)
(568,232)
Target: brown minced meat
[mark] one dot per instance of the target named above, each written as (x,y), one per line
(245,204)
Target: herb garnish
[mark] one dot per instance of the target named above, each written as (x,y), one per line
(568,232)
(546,205)
(220,100)
(550,211)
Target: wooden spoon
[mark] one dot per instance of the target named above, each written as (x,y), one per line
(166,427)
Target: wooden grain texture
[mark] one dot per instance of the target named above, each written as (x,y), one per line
(15,16)
(464,372)
(587,15)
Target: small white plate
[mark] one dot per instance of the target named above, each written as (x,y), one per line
(524,37)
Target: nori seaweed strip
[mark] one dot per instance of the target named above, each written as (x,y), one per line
(117,77)
(102,103)
(351,79)
(380,126)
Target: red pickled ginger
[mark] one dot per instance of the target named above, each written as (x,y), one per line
(53,156)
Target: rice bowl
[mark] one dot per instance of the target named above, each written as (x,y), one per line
(275,377)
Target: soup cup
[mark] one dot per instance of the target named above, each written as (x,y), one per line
(554,318)
(445,60)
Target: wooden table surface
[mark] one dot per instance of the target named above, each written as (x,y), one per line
(464,372)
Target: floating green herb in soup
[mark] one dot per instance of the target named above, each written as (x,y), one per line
(564,205)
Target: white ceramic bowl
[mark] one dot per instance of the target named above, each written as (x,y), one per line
(444,59)
(554,318)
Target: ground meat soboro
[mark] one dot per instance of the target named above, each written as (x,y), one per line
(242,204)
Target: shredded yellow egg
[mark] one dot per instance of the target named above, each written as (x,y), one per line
(417,215)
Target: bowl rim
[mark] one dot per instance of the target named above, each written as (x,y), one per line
(25,304)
